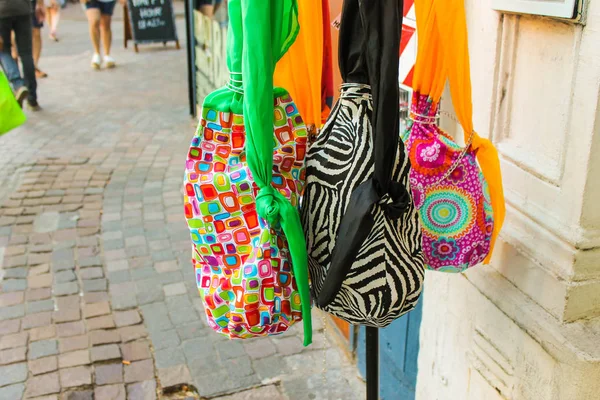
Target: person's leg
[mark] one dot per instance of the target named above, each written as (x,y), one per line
(36,45)
(9,65)
(23,31)
(107,8)
(106,33)
(53,19)
(93,16)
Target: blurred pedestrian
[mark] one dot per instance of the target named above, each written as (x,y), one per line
(99,14)
(53,16)
(37,22)
(209,7)
(16,16)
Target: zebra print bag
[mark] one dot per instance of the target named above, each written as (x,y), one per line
(363,232)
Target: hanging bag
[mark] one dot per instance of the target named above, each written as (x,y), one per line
(362,230)
(458,190)
(244,175)
(11,115)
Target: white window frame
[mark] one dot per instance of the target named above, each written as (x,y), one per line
(567,9)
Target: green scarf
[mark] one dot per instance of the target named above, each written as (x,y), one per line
(260,32)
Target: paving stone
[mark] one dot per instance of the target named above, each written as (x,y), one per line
(105,352)
(11,299)
(43,365)
(12,392)
(10,326)
(13,340)
(173,376)
(95,285)
(39,258)
(65,289)
(65,276)
(78,395)
(42,348)
(142,391)
(273,366)
(10,356)
(37,320)
(104,337)
(269,392)
(135,351)
(72,343)
(69,329)
(40,306)
(110,392)
(119,276)
(76,376)
(38,294)
(259,348)
(74,359)
(95,297)
(39,270)
(127,318)
(14,285)
(109,373)
(229,349)
(288,345)
(40,281)
(91,273)
(156,317)
(89,262)
(42,333)
(183,316)
(130,333)
(96,309)
(105,322)
(12,312)
(169,358)
(66,315)
(192,330)
(139,371)
(142,273)
(11,262)
(20,272)
(11,374)
(42,385)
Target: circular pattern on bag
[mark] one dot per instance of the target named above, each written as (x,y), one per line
(447,211)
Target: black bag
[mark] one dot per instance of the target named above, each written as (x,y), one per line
(363,232)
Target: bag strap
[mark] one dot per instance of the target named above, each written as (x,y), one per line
(370,37)
(444,54)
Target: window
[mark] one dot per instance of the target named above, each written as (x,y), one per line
(569,9)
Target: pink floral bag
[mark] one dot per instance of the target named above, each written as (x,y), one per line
(458,190)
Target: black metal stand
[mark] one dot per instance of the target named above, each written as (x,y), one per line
(372,358)
(190,43)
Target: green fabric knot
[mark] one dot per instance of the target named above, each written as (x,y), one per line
(267,205)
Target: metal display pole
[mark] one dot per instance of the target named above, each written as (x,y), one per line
(372,361)
(189,30)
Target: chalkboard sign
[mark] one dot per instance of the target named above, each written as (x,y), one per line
(150,21)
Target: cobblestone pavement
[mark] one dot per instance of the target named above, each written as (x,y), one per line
(97,296)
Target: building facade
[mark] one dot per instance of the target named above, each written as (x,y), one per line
(528,326)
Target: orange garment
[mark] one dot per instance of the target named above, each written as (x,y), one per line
(300,69)
(443,53)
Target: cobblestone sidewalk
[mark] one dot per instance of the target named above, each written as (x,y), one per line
(97,296)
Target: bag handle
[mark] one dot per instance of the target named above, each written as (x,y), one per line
(269,28)
(443,47)
(370,37)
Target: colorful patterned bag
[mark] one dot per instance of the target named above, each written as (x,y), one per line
(461,205)
(253,281)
